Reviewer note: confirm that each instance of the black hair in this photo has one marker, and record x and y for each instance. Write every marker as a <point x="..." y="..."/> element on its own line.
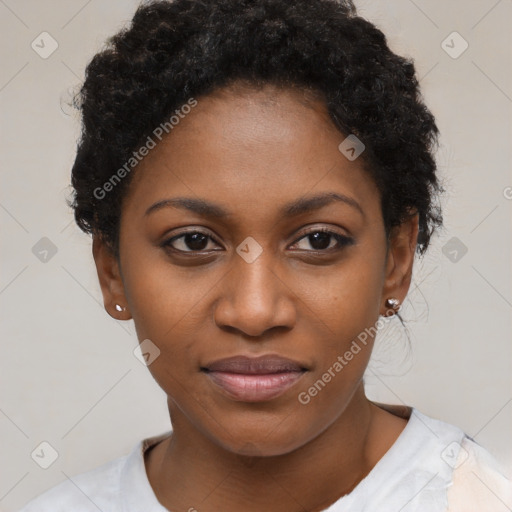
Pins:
<point x="177" y="50"/>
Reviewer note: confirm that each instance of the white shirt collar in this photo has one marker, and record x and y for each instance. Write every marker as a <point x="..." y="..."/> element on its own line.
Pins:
<point x="413" y="474"/>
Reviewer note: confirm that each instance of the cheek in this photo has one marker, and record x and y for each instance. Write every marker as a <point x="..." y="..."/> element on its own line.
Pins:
<point x="166" y="299"/>
<point x="345" y="304"/>
<point x="345" y="298"/>
<point x="168" y="308"/>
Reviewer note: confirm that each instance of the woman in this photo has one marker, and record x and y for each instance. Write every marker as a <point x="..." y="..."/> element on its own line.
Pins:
<point x="258" y="177"/>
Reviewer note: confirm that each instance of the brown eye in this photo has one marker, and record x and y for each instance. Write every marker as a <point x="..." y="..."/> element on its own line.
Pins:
<point x="322" y="240"/>
<point x="191" y="241"/>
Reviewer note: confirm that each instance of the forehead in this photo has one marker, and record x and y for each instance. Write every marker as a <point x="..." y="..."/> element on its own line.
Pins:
<point x="251" y="149"/>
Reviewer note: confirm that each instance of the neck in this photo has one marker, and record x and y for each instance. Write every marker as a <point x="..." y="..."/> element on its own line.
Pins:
<point x="189" y="469"/>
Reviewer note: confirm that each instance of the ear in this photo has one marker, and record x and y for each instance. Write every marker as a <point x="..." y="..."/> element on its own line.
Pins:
<point x="110" y="278"/>
<point x="399" y="263"/>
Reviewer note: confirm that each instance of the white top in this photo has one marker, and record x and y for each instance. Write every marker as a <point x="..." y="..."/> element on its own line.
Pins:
<point x="431" y="467"/>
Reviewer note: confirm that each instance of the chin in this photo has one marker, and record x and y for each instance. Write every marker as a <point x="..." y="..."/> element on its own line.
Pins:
<point x="262" y="439"/>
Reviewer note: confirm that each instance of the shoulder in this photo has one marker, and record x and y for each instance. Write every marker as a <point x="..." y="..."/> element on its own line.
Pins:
<point x="475" y="480"/>
<point x="94" y="490"/>
<point x="480" y="483"/>
<point x="436" y="466"/>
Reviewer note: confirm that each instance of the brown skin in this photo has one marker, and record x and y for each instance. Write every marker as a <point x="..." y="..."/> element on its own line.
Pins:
<point x="251" y="151"/>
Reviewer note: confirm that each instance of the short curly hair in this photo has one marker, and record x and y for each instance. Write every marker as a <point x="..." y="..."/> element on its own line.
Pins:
<point x="177" y="49"/>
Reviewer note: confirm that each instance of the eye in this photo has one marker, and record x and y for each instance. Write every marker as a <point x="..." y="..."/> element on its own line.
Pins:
<point x="193" y="240"/>
<point x="320" y="239"/>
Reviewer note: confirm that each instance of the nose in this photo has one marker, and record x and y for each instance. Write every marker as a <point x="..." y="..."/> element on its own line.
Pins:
<point x="254" y="299"/>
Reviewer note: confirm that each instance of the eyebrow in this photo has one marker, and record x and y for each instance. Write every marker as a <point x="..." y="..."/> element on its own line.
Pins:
<point x="209" y="209"/>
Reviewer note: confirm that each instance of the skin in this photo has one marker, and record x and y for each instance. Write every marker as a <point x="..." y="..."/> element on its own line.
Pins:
<point x="252" y="151"/>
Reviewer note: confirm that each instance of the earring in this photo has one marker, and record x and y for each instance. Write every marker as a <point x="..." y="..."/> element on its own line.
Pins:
<point x="393" y="303"/>
<point x="120" y="308"/>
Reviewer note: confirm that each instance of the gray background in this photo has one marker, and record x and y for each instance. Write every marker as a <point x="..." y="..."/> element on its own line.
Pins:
<point x="68" y="373"/>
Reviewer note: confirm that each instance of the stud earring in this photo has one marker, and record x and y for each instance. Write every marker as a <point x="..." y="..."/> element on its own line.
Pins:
<point x="393" y="303"/>
<point x="120" y="308"/>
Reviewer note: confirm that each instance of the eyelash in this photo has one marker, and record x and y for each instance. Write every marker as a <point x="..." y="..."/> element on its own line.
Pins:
<point x="342" y="241"/>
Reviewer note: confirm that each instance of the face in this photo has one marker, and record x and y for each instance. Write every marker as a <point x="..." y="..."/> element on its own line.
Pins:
<point x="253" y="265"/>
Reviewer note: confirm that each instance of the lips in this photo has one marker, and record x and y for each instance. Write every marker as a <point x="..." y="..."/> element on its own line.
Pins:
<point x="255" y="365"/>
<point x="250" y="379"/>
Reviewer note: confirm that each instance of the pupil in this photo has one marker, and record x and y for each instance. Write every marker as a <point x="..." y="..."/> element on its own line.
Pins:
<point x="195" y="241"/>
<point x="319" y="240"/>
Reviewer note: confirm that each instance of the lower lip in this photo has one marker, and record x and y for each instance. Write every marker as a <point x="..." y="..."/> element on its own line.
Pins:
<point x="254" y="388"/>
